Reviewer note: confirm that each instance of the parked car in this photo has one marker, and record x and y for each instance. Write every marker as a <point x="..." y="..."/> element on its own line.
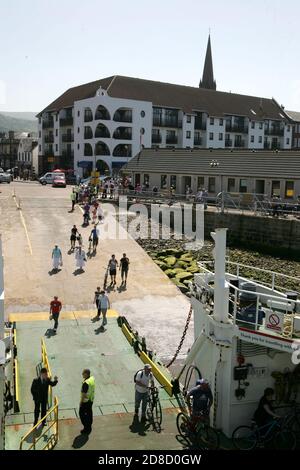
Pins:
<point x="59" y="182"/>
<point x="5" y="178"/>
<point x="49" y="177"/>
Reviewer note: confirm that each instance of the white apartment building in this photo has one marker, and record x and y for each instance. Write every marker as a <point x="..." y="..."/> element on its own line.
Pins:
<point x="27" y="156"/>
<point x="105" y="123"/>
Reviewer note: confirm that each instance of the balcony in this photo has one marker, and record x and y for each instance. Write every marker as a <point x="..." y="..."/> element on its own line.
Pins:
<point x="275" y="146"/>
<point x="228" y="143"/>
<point x="156" y="138"/>
<point x="160" y="121"/>
<point x="122" y="150"/>
<point x="48" y="123"/>
<point x="198" y="141"/>
<point x="88" y="135"/>
<point x="49" y="153"/>
<point x="125" y="135"/>
<point x="200" y="124"/>
<point x="267" y="146"/>
<point x="88" y="116"/>
<point x="49" y="139"/>
<point x="125" y="116"/>
<point x="241" y="128"/>
<point x="171" y="139"/>
<point x="239" y="143"/>
<point x="67" y="121"/>
<point x="68" y="138"/>
<point x="274" y="131"/>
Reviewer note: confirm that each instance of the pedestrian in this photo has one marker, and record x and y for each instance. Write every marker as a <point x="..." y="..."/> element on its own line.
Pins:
<point x="103" y="306"/>
<point x="39" y="390"/>
<point x="112" y="266"/>
<point x="124" y="266"/>
<point x="142" y="380"/>
<point x="86" y="214"/>
<point x="96" y="300"/>
<point x="79" y="239"/>
<point x="100" y="214"/>
<point x="80" y="258"/>
<point x="94" y="237"/>
<point x="74" y="233"/>
<point x="56" y="258"/>
<point x="86" y="401"/>
<point x="55" y="308"/>
<point x="73" y="199"/>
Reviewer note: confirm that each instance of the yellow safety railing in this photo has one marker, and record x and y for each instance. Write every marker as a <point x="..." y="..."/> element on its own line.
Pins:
<point x="50" y="431"/>
<point x="46" y="364"/>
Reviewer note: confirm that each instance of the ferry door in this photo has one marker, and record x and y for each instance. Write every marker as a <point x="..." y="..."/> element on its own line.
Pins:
<point x="259" y="187"/>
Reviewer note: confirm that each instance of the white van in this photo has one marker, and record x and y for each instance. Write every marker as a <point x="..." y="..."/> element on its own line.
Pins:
<point x="49" y="177"/>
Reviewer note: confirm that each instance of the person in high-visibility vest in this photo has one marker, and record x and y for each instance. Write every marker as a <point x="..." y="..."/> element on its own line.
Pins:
<point x="86" y="401"/>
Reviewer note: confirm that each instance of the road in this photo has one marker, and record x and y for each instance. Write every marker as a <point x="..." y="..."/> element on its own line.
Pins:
<point x="152" y="303"/>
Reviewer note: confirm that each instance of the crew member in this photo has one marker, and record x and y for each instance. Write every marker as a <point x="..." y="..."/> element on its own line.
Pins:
<point x="86" y="401"/>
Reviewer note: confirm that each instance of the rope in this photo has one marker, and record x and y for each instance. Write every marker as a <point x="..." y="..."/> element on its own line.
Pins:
<point x="182" y="338"/>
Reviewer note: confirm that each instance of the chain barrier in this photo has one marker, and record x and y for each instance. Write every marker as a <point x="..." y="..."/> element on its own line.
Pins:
<point x="182" y="338"/>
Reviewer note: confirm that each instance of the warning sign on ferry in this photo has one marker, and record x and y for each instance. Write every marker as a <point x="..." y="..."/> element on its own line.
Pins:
<point x="274" y="321"/>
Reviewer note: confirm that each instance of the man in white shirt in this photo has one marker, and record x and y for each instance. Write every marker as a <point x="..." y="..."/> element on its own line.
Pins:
<point x="103" y="306"/>
<point x="142" y="380"/>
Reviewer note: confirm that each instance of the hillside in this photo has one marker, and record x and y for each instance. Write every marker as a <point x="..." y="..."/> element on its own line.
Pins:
<point x="10" y="123"/>
<point x="30" y="116"/>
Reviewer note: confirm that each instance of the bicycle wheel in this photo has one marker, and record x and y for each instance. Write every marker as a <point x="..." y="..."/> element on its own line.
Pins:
<point x="285" y="440"/>
<point x="208" y="438"/>
<point x="157" y="416"/>
<point x="183" y="423"/>
<point x="244" y="438"/>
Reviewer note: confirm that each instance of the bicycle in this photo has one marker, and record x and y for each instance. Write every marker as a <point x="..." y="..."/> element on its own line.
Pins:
<point x="276" y="434"/>
<point x="153" y="412"/>
<point x="197" y="432"/>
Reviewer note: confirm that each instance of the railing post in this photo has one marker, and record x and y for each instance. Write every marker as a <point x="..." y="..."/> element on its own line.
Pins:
<point x="256" y="316"/>
<point x="235" y="306"/>
<point x="273" y="281"/>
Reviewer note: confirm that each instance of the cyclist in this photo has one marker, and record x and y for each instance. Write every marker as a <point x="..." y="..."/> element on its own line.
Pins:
<point x="143" y="378"/>
<point x="265" y="414"/>
<point x="202" y="400"/>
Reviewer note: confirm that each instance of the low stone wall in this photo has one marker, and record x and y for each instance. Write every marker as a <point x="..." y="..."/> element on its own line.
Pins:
<point x="266" y="234"/>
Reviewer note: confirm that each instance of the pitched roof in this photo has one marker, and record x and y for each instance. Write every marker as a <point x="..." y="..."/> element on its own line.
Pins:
<point x="268" y="164"/>
<point x="189" y="99"/>
<point x="208" y="72"/>
<point x="295" y="115"/>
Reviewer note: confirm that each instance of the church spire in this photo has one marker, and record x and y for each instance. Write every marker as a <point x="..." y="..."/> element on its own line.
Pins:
<point x="208" y="73"/>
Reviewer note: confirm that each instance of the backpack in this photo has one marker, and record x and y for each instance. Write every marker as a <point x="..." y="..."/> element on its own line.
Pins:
<point x="134" y="378"/>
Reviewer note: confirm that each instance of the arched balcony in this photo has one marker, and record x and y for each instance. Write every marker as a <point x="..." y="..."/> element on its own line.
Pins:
<point x="88" y="132"/>
<point x="102" y="131"/>
<point x="101" y="149"/>
<point x="102" y="113"/>
<point x="88" y="150"/>
<point x="88" y="115"/>
<point x="102" y="167"/>
<point x="123" y="115"/>
<point x="123" y="133"/>
<point x="122" y="150"/>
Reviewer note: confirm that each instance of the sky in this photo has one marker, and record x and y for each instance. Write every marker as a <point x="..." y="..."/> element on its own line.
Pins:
<point x="48" y="46"/>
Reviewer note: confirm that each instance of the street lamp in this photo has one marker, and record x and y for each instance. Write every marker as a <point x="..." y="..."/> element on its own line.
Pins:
<point x="215" y="164"/>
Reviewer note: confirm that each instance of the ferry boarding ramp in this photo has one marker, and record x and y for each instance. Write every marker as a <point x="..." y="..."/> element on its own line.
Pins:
<point x="78" y="344"/>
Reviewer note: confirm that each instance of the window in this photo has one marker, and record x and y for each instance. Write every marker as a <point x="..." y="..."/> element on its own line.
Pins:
<point x="56" y="132"/>
<point x="252" y="138"/>
<point x="188" y="134"/>
<point x="220" y="136"/>
<point x="163" y="181"/>
<point x="288" y="128"/>
<point x="260" y="139"/>
<point x="146" y="181"/>
<point x="211" y="136"/>
<point x="78" y="130"/>
<point x="78" y="113"/>
<point x="188" y="118"/>
<point x="243" y="186"/>
<point x="275" y="188"/>
<point x="252" y="125"/>
<point x="289" y="189"/>
<point x="173" y="181"/>
<point x="201" y="182"/>
<point x="211" y="184"/>
<point x="287" y="141"/>
<point x="40" y="134"/>
<point x="143" y="114"/>
<point x="221" y="122"/>
<point x="231" y="185"/>
<point x="56" y="147"/>
<point x="212" y="121"/>
<point x="78" y="146"/>
<point x="40" y="148"/>
<point x="260" y="125"/>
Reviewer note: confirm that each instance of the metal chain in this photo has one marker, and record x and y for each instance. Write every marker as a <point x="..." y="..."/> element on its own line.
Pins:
<point x="182" y="338"/>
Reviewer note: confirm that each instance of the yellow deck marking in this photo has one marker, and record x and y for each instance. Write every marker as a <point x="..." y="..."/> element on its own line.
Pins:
<point x="69" y="315"/>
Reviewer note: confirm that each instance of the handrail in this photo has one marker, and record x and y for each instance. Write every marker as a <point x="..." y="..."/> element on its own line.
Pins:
<point x="46" y="364"/>
<point x="50" y="441"/>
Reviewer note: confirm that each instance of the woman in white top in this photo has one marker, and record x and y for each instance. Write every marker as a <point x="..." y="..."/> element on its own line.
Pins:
<point x="56" y="258"/>
<point x="80" y="258"/>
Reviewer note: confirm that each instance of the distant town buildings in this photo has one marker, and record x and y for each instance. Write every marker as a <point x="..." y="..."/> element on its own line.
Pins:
<point x="18" y="150"/>
<point x="103" y="124"/>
